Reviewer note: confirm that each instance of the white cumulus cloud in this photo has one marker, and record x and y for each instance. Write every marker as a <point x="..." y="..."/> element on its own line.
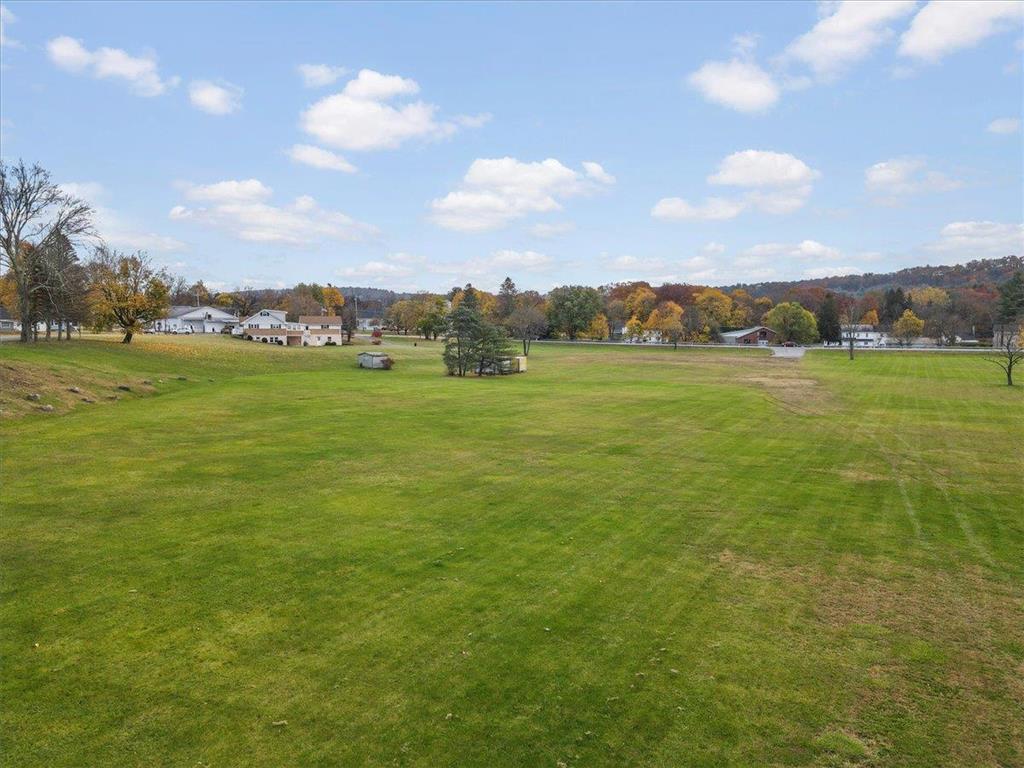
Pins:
<point x="496" y="191"/>
<point x="140" y="72"/>
<point x="847" y="35"/>
<point x="978" y="239"/>
<point x="736" y="84"/>
<point x="891" y="180"/>
<point x="318" y="157"/>
<point x="774" y="182"/>
<point x="219" y="98"/>
<point x="246" y="191"/>
<point x="366" y="115"/>
<point x="944" y="27"/>
<point x="759" y="168"/>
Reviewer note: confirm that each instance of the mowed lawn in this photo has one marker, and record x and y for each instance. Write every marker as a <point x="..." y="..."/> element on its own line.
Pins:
<point x="625" y="557"/>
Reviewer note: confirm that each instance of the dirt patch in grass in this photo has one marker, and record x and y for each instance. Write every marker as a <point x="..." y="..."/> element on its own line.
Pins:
<point x="783" y="383"/>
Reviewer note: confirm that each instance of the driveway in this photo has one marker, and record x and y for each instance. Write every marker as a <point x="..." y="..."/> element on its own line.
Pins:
<point x="788" y="351"/>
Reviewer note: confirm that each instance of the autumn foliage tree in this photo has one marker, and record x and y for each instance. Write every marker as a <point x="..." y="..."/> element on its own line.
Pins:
<point x="127" y="291"/>
<point x="667" y="321"/>
<point x="333" y="300"/>
<point x="598" y="328"/>
<point x="908" y="327"/>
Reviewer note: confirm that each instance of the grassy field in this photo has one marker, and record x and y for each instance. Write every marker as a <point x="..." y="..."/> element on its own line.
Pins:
<point x="625" y="557"/>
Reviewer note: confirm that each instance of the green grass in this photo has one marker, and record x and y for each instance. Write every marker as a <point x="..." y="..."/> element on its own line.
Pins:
<point x="639" y="557"/>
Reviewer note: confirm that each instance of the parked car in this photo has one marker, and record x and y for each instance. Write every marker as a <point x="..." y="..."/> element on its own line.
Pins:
<point x="789" y="344"/>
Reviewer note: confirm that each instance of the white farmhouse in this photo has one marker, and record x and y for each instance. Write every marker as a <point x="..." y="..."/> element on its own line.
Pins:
<point x="266" y="319"/>
<point x="182" y="319"/>
<point x="863" y="335"/>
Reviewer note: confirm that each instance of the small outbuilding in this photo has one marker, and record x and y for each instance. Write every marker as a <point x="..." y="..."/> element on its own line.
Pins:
<point x="374" y="360"/>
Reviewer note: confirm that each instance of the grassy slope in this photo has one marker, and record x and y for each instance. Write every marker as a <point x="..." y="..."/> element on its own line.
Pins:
<point x="624" y="557"/>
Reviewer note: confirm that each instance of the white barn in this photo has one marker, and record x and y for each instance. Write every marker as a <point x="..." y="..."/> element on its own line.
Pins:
<point x="204" y="319"/>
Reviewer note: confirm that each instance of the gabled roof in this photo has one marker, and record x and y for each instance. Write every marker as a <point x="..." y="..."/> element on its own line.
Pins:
<point x="745" y="331"/>
<point x="278" y="313"/>
<point x="200" y="313"/>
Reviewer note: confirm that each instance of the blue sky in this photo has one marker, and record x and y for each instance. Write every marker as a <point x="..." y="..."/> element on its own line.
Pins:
<point x="421" y="146"/>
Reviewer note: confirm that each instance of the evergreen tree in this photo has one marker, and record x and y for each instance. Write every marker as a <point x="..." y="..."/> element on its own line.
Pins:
<point x="465" y="324"/>
<point x="894" y="304"/>
<point x="1011" y="299"/>
<point x="507" y="295"/>
<point x="492" y="348"/>
<point x="829" y="327"/>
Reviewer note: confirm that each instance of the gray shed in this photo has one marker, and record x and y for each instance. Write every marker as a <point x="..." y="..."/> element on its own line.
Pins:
<point x="374" y="360"/>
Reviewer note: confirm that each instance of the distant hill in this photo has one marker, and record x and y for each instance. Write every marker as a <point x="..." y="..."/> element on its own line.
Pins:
<point x="982" y="271"/>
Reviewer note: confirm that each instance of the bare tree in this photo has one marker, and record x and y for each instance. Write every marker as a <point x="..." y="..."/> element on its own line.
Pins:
<point x="1010" y="351"/>
<point x="527" y="324"/>
<point x="34" y="213"/>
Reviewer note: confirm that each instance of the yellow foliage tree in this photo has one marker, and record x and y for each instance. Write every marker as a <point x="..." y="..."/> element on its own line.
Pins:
<point x="634" y="328"/>
<point x="908" y="327"/>
<point x="667" y="321"/>
<point x="333" y="299"/>
<point x="598" y="328"/>
<point x="870" y="317"/>
<point x="928" y="296"/>
<point x="640" y="303"/>
<point x="714" y="305"/>
<point x="488" y="302"/>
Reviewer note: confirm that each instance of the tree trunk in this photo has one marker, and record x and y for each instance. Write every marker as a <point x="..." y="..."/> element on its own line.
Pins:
<point x="127" y="337"/>
<point x="25" y="308"/>
<point x="60" y="330"/>
<point x="47" y="329"/>
<point x="851" y="347"/>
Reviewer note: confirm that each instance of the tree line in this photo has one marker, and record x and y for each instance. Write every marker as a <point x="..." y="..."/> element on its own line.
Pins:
<point x="44" y="282"/>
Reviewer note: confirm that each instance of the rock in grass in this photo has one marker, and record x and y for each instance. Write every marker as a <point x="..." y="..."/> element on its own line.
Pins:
<point x="76" y="390"/>
<point x="124" y="387"/>
<point x="147" y="382"/>
<point x="46" y="408"/>
<point x="183" y="378"/>
<point x="279" y="723"/>
<point x="33" y="396"/>
<point x="88" y="400"/>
